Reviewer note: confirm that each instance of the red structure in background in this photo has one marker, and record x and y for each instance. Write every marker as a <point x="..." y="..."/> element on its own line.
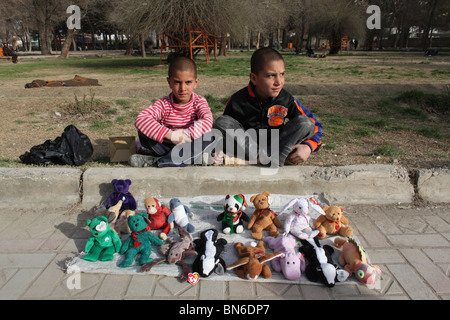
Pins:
<point x="197" y="38"/>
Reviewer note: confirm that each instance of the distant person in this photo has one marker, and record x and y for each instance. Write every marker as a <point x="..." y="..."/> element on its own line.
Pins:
<point x="171" y="131"/>
<point x="264" y="104"/>
<point x="7" y="52"/>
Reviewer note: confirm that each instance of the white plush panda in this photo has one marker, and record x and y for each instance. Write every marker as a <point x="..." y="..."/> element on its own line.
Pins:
<point x="233" y="215"/>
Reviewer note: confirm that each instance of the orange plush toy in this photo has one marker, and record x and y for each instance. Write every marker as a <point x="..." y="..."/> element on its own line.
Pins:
<point x="263" y="218"/>
<point x="251" y="263"/>
<point x="157" y="216"/>
<point x="332" y="223"/>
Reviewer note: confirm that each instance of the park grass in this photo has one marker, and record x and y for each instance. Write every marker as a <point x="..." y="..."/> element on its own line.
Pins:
<point x="347" y="120"/>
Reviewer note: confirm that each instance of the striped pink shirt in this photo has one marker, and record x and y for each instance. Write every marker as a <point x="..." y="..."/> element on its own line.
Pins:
<point x="195" y="117"/>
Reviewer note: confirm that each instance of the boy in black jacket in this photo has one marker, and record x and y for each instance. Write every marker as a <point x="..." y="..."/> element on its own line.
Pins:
<point x="267" y="116"/>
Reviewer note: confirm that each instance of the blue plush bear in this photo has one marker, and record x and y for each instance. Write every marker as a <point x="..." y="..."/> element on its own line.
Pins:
<point x="121" y="187"/>
<point x="140" y="241"/>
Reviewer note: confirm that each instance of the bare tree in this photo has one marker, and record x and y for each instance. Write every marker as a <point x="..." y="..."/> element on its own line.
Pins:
<point x="335" y="18"/>
<point x="216" y="16"/>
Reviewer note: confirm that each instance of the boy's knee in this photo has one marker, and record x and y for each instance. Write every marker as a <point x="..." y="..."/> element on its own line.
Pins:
<point x="226" y="122"/>
<point x="305" y="124"/>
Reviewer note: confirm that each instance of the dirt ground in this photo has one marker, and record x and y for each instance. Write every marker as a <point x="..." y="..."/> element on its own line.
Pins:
<point x="31" y="116"/>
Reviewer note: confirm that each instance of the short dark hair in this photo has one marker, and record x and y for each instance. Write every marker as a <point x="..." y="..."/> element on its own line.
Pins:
<point x="182" y="63"/>
<point x="262" y="56"/>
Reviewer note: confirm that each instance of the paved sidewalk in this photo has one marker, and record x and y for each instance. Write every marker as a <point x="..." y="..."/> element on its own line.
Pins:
<point x="410" y="244"/>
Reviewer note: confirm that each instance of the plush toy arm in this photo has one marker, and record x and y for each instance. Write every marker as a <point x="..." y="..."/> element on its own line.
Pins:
<point x="188" y="212"/>
<point x="165" y="210"/>
<point x="116" y="241"/>
<point x="125" y="245"/>
<point x="319" y="221"/>
<point x="220" y="216"/>
<point x="245" y="217"/>
<point x="171" y="218"/>
<point x="251" y="222"/>
<point x="277" y="222"/>
<point x="89" y="245"/>
<point x="154" y="239"/>
<point x="344" y="220"/>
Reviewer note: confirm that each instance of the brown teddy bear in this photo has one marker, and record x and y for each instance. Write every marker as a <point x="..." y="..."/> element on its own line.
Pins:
<point x="263" y="218"/>
<point x="332" y="223"/>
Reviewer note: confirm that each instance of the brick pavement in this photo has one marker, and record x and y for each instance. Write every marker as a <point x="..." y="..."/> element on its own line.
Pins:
<point x="410" y="244"/>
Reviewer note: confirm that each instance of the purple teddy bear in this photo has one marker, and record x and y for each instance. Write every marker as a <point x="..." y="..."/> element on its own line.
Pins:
<point x="121" y="188"/>
<point x="292" y="263"/>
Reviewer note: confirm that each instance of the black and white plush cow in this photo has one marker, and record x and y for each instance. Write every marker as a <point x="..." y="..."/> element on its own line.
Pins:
<point x="209" y="249"/>
<point x="320" y="266"/>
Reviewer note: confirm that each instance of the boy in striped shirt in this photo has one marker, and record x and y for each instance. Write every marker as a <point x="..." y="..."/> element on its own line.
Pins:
<point x="172" y="130"/>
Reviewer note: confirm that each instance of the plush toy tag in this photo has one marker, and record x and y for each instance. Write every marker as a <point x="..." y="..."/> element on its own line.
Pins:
<point x="193" y="278"/>
<point x="101" y="226"/>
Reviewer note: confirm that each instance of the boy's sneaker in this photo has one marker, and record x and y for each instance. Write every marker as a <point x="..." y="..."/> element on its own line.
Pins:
<point x="140" y="160"/>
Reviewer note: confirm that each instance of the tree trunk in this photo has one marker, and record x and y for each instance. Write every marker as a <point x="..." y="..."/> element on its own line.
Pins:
<point x="142" y="42"/>
<point x="66" y="47"/>
<point x="130" y="45"/>
<point x="429" y="27"/>
<point x="335" y="43"/>
<point x="45" y="32"/>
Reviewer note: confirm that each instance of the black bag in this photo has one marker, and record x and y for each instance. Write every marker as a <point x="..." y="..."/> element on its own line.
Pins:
<point x="72" y="148"/>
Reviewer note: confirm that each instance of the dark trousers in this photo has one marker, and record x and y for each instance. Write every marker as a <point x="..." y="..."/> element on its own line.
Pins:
<point x="271" y="145"/>
<point x="181" y="155"/>
<point x="10" y="53"/>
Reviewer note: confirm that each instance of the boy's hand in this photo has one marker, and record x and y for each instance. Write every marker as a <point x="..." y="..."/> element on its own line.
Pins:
<point x="177" y="137"/>
<point x="300" y="153"/>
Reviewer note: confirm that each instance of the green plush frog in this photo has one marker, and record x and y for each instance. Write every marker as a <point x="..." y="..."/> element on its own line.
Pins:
<point x="102" y="238"/>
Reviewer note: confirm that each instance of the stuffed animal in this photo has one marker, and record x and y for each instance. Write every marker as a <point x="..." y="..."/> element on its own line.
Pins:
<point x="209" y="249"/>
<point x="291" y="263"/>
<point x="158" y="214"/>
<point x="180" y="214"/>
<point x="354" y="260"/>
<point x="102" y="238"/>
<point x="233" y="216"/>
<point x="140" y="241"/>
<point x="252" y="259"/>
<point x="174" y="253"/>
<point x="332" y="223"/>
<point x="320" y="266"/>
<point x="298" y="221"/>
<point x="263" y="218"/>
<point x="121" y="188"/>
<point x="118" y="220"/>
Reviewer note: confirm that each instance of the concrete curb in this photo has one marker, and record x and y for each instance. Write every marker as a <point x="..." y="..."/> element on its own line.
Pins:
<point x="345" y="185"/>
<point x="39" y="187"/>
<point x="355" y="184"/>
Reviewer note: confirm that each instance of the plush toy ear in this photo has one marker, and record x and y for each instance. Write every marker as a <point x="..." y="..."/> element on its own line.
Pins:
<point x="244" y="205"/>
<point x="88" y="222"/>
<point x="252" y="198"/>
<point x="238" y="263"/>
<point x="128" y="182"/>
<point x="226" y="198"/>
<point x="287" y="206"/>
<point x="271" y="256"/>
<point x="342" y="210"/>
<point x="114" y="181"/>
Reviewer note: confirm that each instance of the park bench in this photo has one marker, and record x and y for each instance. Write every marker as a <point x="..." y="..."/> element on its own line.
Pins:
<point x="2" y="56"/>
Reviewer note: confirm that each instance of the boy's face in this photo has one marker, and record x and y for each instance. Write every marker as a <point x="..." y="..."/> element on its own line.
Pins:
<point x="182" y="84"/>
<point x="270" y="80"/>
